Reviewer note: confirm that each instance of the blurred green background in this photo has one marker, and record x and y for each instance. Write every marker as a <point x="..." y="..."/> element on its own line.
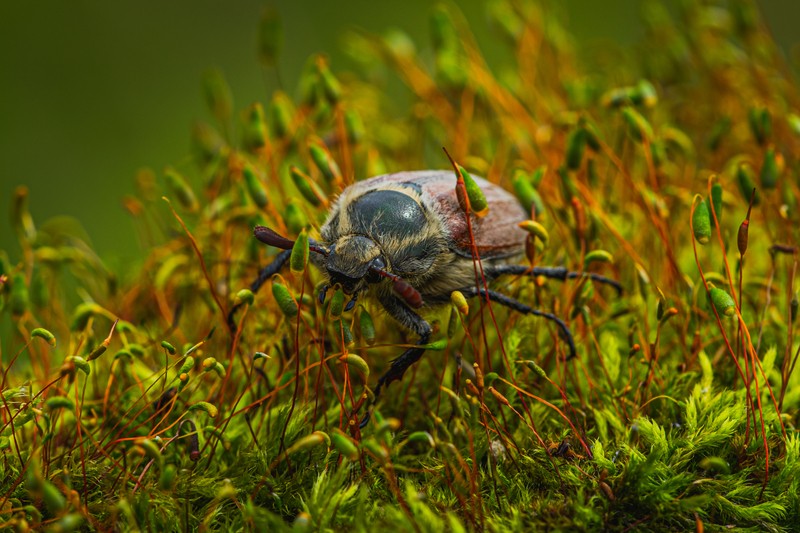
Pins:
<point x="92" y="91"/>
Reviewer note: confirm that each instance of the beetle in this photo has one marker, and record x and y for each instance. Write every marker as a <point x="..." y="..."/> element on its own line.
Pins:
<point x="404" y="239"/>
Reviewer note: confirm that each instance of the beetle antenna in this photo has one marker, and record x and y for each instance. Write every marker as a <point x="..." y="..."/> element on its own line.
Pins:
<point x="270" y="237"/>
<point x="409" y="294"/>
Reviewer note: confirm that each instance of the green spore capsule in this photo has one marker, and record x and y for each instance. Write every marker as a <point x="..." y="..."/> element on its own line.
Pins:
<point x="255" y="188"/>
<point x="354" y="361"/>
<point x="701" y="222"/>
<point x="294" y="218"/>
<point x="45" y="335"/>
<point x="331" y="87"/>
<point x="281" y="112"/>
<point x="181" y="189"/>
<point x="337" y="304"/>
<point x="639" y="128"/>
<point x="210" y="409"/>
<point x="760" y="122"/>
<point x="324" y="161"/>
<point x="59" y="402"/>
<point x="82" y="314"/>
<point x="306" y="186"/>
<point x="770" y="168"/>
<point x="284" y="299"/>
<point x="367" y="327"/>
<point x="723" y="302"/>
<point x="344" y="445"/>
<point x="745" y="177"/>
<point x="19" y="299"/>
<point x="299" y="258"/>
<point x="81" y="364"/>
<point x="187" y="366"/>
<point x="597" y="256"/>
<point x="477" y="200"/>
<point x="354" y="126"/>
<point x="168" y="347"/>
<point x="527" y="194"/>
<point x="254" y="137"/>
<point x="576" y="146"/>
<point x="436" y="346"/>
<point x="244" y="296"/>
<point x="54" y="500"/>
<point x="644" y="94"/>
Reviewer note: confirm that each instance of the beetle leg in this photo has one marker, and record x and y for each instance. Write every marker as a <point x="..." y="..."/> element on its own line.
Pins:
<point x="266" y="273"/>
<point x="516" y="305"/>
<point x="352" y="303"/>
<point x="560" y="273"/>
<point x="322" y="293"/>
<point x="411" y="320"/>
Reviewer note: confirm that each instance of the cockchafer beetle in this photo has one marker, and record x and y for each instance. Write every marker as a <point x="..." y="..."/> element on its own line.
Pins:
<point x="404" y="239"/>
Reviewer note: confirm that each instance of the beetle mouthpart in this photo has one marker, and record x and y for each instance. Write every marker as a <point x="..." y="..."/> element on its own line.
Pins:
<point x="409" y="294"/>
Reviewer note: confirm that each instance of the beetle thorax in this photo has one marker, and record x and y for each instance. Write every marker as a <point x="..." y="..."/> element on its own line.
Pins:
<point x="349" y="261"/>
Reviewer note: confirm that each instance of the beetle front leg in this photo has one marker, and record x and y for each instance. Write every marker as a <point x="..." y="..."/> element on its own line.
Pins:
<point x="266" y="273"/>
<point x="560" y="273"/>
<point x="411" y="320"/>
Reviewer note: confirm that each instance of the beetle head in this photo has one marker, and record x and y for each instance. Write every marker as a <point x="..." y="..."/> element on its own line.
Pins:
<point x="351" y="261"/>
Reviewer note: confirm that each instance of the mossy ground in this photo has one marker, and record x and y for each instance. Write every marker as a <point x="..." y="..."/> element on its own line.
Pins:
<point x="144" y="412"/>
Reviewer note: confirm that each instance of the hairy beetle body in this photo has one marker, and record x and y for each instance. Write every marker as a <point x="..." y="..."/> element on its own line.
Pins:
<point x="404" y="239"/>
<point x="417" y="226"/>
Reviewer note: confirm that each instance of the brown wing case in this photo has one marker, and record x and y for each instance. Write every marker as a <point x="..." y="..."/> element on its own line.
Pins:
<point x="496" y="235"/>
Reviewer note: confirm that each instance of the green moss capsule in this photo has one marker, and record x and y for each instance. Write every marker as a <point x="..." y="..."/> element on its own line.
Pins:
<point x="701" y="223"/>
<point x="576" y="146"/>
<point x="760" y="122"/>
<point x="477" y="200"/>
<point x="337" y="304"/>
<point x="53" y="499"/>
<point x="255" y="188"/>
<point x="355" y="362"/>
<point x="527" y="194"/>
<point x="209" y="409"/>
<point x="19" y="299"/>
<point x="299" y="258"/>
<point x="284" y="299"/>
<point x="181" y="189"/>
<point x="254" y="136"/>
<point x="770" y="168"/>
<point x="168" y="347"/>
<point x="60" y="402"/>
<point x="367" y="326"/>
<point x="344" y="445"/>
<point x="294" y="218"/>
<point x="638" y="126"/>
<point x="45" y="335"/>
<point x="281" y="111"/>
<point x="723" y="302"/>
<point x="745" y="178"/>
<point x="324" y="161"/>
<point x="306" y="186"/>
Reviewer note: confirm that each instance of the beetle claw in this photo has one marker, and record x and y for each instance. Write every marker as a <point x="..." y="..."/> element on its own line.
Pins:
<point x="351" y="304"/>
<point x="322" y="293"/>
